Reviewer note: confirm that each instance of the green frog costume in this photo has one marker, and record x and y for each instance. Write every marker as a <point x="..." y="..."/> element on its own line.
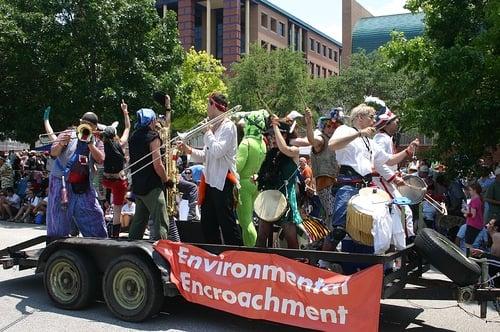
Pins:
<point x="249" y="157"/>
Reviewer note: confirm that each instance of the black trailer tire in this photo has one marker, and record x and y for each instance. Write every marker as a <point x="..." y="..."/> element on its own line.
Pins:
<point x="132" y="289"/>
<point x="70" y="279"/>
<point x="447" y="257"/>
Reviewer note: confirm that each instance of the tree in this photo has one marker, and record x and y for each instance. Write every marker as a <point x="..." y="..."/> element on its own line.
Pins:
<point x="79" y="56"/>
<point x="276" y="80"/>
<point x="201" y="74"/>
<point x="368" y="74"/>
<point x="459" y="55"/>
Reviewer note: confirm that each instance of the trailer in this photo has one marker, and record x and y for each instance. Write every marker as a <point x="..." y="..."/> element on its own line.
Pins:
<point x="134" y="279"/>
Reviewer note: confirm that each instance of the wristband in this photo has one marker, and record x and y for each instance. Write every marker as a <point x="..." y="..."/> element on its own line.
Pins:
<point x="408" y="153"/>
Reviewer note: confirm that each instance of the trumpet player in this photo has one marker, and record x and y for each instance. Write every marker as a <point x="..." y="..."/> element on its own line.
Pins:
<point x="220" y="178"/>
<point x="71" y="195"/>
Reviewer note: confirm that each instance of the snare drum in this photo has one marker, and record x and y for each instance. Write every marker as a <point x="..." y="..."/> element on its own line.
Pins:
<point x="270" y="205"/>
<point x="360" y="211"/>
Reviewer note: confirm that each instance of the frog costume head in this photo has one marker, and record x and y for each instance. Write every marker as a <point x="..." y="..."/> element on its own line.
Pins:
<point x="255" y="123"/>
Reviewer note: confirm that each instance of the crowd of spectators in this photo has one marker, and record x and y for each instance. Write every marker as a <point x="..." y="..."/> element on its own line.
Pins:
<point x="23" y="183"/>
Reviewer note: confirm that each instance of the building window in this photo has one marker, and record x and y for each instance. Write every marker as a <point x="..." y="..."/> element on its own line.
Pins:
<point x="263" y="20"/>
<point x="324" y="72"/>
<point x="264" y="44"/>
<point x="311" y="44"/>
<point x="318" y="47"/>
<point x="329" y="53"/>
<point x="273" y="47"/>
<point x="197" y="28"/>
<point x="329" y="73"/>
<point x="281" y="29"/>
<point x="312" y="69"/>
<point x="335" y="54"/>
<point x="324" y="50"/>
<point x="318" y="71"/>
<point x="219" y="31"/>
<point x="273" y="24"/>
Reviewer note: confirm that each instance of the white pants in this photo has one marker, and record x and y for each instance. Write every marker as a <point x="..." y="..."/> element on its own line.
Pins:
<point x="392" y="190"/>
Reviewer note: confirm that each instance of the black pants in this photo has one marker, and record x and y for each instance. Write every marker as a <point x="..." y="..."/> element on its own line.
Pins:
<point x="218" y="211"/>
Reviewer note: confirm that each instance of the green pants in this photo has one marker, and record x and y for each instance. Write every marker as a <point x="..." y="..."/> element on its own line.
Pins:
<point x="154" y="206"/>
<point x="248" y="193"/>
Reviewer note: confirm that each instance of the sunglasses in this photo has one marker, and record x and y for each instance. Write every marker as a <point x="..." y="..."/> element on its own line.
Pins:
<point x="188" y="173"/>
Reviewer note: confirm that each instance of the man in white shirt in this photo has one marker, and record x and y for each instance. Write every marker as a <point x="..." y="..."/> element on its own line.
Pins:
<point x="356" y="154"/>
<point x="387" y="177"/>
<point x="219" y="176"/>
<point x="11" y="204"/>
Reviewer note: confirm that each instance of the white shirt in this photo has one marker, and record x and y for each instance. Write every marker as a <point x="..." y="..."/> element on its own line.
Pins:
<point x="218" y="154"/>
<point x="14" y="201"/>
<point x="128" y="209"/>
<point x="385" y="143"/>
<point x="361" y="153"/>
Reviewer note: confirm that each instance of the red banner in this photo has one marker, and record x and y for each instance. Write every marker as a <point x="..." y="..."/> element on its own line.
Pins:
<point x="275" y="288"/>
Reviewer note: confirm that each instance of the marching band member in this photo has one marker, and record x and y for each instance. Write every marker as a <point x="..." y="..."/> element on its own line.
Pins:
<point x="113" y="176"/>
<point x="71" y="195"/>
<point x="216" y="191"/>
<point x="148" y="183"/>
<point x="249" y="157"/>
<point x="387" y="177"/>
<point x="356" y="154"/>
<point x="279" y="171"/>
<point x="323" y="161"/>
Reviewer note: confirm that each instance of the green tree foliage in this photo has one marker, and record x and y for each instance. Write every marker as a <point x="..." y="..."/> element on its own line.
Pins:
<point x="202" y="74"/>
<point x="79" y="56"/>
<point x="368" y="74"/>
<point x="276" y="80"/>
<point x="459" y="56"/>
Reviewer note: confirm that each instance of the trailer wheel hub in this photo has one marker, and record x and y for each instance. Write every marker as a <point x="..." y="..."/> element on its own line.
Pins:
<point x="65" y="281"/>
<point x="130" y="288"/>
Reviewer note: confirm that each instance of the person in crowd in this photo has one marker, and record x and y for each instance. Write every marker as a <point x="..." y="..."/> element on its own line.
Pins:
<point x="189" y="191"/>
<point x="127" y="212"/>
<point x="387" y="177"/>
<point x="219" y="180"/>
<point x="40" y="210"/>
<point x="29" y="202"/>
<point x="493" y="257"/>
<point x="148" y="182"/>
<point x="474" y="214"/>
<point x="356" y="154"/>
<point x="196" y="172"/>
<point x="279" y="171"/>
<point x="492" y="197"/>
<point x="486" y="179"/>
<point x="6" y="174"/>
<point x="10" y="204"/>
<point x="323" y="161"/>
<point x="480" y="242"/>
<point x="249" y="157"/>
<point x="72" y="198"/>
<point x="114" y="177"/>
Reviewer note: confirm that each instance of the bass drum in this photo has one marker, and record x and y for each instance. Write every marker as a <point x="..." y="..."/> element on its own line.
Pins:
<point x="360" y="211"/>
<point x="270" y="205"/>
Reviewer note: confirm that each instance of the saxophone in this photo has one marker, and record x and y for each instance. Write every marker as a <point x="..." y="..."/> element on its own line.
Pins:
<point x="170" y="163"/>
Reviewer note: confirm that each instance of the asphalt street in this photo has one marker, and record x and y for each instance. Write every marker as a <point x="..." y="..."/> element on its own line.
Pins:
<point x="25" y="307"/>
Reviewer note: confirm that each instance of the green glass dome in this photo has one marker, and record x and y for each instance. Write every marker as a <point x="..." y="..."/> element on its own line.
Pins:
<point x="370" y="33"/>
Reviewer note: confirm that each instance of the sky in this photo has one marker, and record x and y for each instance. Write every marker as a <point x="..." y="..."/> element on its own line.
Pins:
<point x="326" y="15"/>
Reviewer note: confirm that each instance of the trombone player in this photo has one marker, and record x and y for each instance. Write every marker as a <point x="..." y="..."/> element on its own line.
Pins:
<point x="71" y="195"/>
<point x="220" y="178"/>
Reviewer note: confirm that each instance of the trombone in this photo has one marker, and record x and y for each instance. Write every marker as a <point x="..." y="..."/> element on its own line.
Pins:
<point x="185" y="136"/>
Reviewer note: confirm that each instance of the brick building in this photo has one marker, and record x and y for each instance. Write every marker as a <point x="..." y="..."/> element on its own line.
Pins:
<point x="235" y="24"/>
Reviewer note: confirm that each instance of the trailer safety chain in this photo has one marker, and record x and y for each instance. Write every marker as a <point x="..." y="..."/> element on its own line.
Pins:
<point x="452" y="306"/>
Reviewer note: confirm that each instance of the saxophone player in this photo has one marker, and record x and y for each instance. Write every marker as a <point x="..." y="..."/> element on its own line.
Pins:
<point x="148" y="183"/>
